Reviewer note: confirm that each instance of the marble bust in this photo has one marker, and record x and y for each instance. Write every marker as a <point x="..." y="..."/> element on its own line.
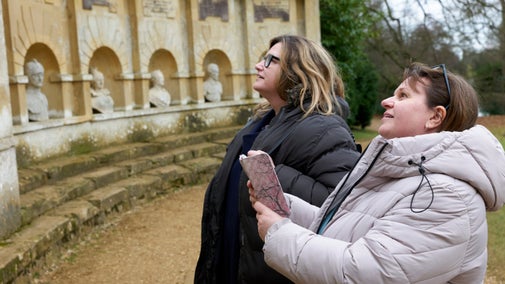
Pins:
<point x="212" y="88"/>
<point x="101" y="101"/>
<point x="36" y="101"/>
<point x="158" y="95"/>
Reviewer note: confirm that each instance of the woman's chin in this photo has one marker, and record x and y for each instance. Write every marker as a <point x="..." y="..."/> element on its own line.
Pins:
<point x="383" y="131"/>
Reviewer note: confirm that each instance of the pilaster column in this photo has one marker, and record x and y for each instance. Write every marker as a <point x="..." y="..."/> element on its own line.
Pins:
<point x="10" y="218"/>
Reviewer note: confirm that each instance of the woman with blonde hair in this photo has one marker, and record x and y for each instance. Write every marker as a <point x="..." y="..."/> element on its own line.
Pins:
<point x="302" y="126"/>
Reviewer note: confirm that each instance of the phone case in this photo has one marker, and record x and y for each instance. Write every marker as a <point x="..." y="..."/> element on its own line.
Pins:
<point x="261" y="172"/>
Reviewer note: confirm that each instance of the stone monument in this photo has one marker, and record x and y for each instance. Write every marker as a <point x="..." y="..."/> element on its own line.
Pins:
<point x="36" y="101"/>
<point x="101" y="101"/>
<point x="158" y="95"/>
<point x="212" y="88"/>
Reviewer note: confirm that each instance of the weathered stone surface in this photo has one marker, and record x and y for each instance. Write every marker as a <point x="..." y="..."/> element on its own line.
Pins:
<point x="171" y="176"/>
<point x="206" y="167"/>
<point x="31" y="244"/>
<point x="66" y="166"/>
<point x="225" y="133"/>
<point x="204" y="149"/>
<point x="75" y="203"/>
<point x="106" y="175"/>
<point x="182" y="154"/>
<point x="174" y="141"/>
<point x="75" y="187"/>
<point x="162" y="159"/>
<point x="10" y="218"/>
<point x="10" y="264"/>
<point x="115" y="153"/>
<point x="137" y="166"/>
<point x="81" y="210"/>
<point x="142" y="186"/>
<point x="30" y="179"/>
<point x="39" y="201"/>
<point x="107" y="198"/>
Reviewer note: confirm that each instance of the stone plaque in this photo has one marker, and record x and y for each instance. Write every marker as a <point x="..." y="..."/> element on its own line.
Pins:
<point x="88" y="4"/>
<point x="213" y="8"/>
<point x="271" y="9"/>
<point x="159" y="8"/>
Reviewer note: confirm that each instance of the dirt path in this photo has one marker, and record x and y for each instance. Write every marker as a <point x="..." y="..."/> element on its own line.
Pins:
<point x="157" y="242"/>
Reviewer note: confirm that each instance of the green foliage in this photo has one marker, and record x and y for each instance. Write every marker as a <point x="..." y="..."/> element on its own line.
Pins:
<point x="362" y="94"/>
<point x="489" y="81"/>
<point x="344" y="27"/>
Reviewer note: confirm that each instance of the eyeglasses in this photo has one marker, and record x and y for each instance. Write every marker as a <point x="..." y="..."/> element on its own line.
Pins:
<point x="268" y="59"/>
<point x="446" y="81"/>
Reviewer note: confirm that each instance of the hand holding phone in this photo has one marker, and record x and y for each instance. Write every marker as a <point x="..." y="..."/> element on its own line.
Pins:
<point x="267" y="189"/>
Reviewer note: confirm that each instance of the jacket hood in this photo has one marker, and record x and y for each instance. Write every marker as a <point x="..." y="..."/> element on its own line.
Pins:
<point x="474" y="156"/>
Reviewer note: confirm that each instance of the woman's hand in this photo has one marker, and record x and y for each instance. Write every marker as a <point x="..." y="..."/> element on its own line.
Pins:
<point x="254" y="152"/>
<point x="252" y="196"/>
<point x="266" y="218"/>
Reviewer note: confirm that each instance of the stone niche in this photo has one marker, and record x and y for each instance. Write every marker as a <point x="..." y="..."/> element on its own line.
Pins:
<point x="164" y="61"/>
<point x="126" y="41"/>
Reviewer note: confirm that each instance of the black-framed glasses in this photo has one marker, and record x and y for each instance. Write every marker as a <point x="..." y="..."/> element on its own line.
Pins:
<point x="268" y="59"/>
<point x="444" y="71"/>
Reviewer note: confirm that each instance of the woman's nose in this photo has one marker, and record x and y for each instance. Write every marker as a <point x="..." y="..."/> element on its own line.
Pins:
<point x="388" y="103"/>
<point x="259" y="65"/>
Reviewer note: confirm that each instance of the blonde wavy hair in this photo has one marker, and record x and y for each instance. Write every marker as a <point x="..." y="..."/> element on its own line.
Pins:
<point x="308" y="74"/>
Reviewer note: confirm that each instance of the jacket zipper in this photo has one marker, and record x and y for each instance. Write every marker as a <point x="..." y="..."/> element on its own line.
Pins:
<point x="333" y="208"/>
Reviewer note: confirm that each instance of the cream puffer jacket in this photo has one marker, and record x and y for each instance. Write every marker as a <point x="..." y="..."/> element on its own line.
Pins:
<point x="416" y="214"/>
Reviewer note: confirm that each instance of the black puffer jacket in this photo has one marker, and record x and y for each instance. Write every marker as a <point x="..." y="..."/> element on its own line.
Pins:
<point x="317" y="152"/>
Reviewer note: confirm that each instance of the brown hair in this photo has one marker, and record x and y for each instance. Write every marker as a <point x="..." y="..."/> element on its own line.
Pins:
<point x="462" y="103"/>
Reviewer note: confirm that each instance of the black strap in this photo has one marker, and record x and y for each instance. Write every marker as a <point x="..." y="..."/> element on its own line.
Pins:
<point x="344" y="190"/>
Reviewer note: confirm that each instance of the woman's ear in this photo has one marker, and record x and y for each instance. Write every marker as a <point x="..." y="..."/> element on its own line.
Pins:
<point x="435" y="121"/>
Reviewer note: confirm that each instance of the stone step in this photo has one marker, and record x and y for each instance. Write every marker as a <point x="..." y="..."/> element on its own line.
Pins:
<point x="52" y="170"/>
<point x="44" y="198"/>
<point x="28" y="248"/>
<point x="217" y="134"/>
<point x="64" y="198"/>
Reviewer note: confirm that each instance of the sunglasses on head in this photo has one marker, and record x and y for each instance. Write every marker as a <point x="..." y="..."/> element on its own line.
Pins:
<point x="446" y="80"/>
<point x="268" y="59"/>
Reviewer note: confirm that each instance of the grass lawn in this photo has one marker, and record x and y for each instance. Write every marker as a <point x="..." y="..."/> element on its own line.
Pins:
<point x="496" y="220"/>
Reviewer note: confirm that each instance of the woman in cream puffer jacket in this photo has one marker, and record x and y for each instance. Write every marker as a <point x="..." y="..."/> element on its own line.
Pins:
<point x="412" y="210"/>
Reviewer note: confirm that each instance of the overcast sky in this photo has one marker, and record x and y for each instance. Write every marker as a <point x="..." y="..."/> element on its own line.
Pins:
<point x="411" y="14"/>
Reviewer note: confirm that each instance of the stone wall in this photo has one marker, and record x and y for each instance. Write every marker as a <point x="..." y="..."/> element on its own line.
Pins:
<point x="126" y="40"/>
<point x="10" y="217"/>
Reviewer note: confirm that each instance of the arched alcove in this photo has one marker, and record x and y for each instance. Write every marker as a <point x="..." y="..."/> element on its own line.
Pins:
<point x="218" y="57"/>
<point x="164" y="60"/>
<point x="53" y="91"/>
<point x="106" y="61"/>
